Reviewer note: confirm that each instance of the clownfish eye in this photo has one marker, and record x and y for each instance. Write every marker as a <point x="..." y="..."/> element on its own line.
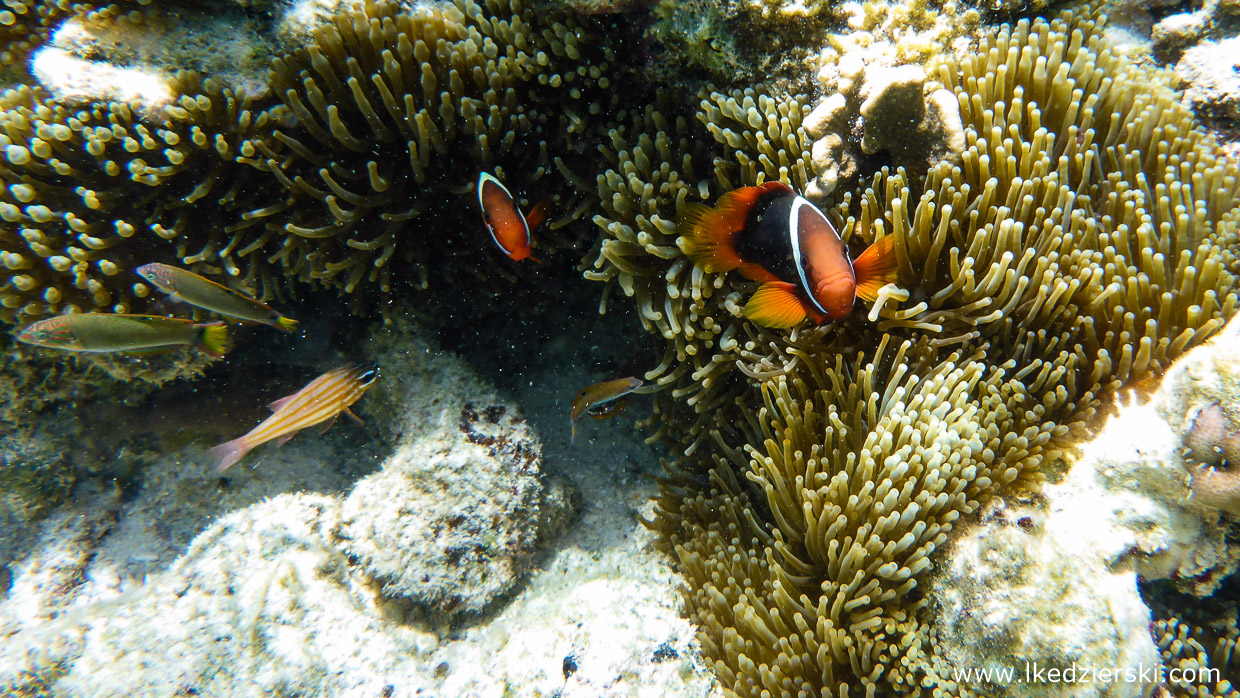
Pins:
<point x="805" y="262"/>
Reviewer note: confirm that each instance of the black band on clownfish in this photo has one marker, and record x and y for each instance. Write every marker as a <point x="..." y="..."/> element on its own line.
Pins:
<point x="774" y="236"/>
<point x="509" y="228"/>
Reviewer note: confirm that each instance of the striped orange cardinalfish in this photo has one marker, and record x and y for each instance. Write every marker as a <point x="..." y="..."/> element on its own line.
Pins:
<point x="138" y="334"/>
<point x="199" y="291"/>
<point x="772" y="235"/>
<point x="508" y="227"/>
<point x="321" y="401"/>
<point x="598" y="397"/>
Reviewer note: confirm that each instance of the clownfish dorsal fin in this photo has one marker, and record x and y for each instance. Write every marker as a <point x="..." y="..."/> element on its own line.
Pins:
<point x="707" y="246"/>
<point x="776" y="304"/>
<point x="875" y="268"/>
<point x="710" y="233"/>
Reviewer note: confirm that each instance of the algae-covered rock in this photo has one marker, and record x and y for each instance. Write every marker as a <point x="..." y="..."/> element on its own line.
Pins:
<point x="451" y="520"/>
<point x="1054" y="582"/>
<point x="36" y="464"/>
<point x="1209" y="70"/>
<point x="286" y="594"/>
<point x="450" y="527"/>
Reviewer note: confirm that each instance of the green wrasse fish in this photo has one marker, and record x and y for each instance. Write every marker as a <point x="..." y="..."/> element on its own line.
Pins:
<point x="321" y="401"/>
<point x="597" y="397"/>
<point x="191" y="288"/>
<point x="102" y="332"/>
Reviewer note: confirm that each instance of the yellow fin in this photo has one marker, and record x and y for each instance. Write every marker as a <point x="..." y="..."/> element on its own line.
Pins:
<point x="776" y="305"/>
<point x="287" y="324"/>
<point x="875" y="268"/>
<point x="215" y="340"/>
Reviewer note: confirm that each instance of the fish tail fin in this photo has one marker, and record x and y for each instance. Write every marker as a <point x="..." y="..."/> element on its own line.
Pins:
<point x="875" y="268"/>
<point x="228" y="453"/>
<point x="537" y="216"/>
<point x="287" y="324"/>
<point x="572" y="434"/>
<point x="776" y="304"/>
<point x="215" y="339"/>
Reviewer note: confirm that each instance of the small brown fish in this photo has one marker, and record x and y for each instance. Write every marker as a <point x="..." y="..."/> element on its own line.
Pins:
<point x="199" y="291"/>
<point x="597" y="396"/>
<point x="104" y="332"/>
<point x="321" y="401"/>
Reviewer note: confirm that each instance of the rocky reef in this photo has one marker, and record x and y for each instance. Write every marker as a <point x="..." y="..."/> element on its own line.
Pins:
<point x="857" y="508"/>
<point x="1080" y="574"/>
<point x="324" y="545"/>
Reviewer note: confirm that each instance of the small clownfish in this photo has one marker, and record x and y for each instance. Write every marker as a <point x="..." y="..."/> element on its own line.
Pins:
<point x="508" y="227"/>
<point x="772" y="235"/>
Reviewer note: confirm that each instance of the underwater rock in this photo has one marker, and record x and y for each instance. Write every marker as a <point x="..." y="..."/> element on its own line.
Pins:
<point x="259" y="592"/>
<point x="134" y="57"/>
<point x="1016" y="594"/>
<point x="1055" y="582"/>
<point x="262" y="604"/>
<point x="452" y="526"/>
<point x="267" y="600"/>
<point x="881" y="108"/>
<point x="1209" y="70"/>
<point x="1202" y="406"/>
<point x="1173" y="33"/>
<point x="451" y="520"/>
<point x="36" y="463"/>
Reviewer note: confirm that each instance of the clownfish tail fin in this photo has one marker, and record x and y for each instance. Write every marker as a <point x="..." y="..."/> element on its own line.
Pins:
<point x="875" y="268"/>
<point x="776" y="304"/>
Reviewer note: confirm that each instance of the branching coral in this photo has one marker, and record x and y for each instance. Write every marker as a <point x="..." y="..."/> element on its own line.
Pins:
<point x="1086" y="238"/>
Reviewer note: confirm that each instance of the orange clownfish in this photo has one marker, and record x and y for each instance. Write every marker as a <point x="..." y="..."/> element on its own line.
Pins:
<point x="508" y="227"/>
<point x="772" y="235"/>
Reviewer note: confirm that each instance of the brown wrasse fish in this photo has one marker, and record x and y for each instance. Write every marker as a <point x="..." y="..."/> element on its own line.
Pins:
<point x="201" y="292"/>
<point x="509" y="228"/>
<point x="322" y="400"/>
<point x="772" y="235"/>
<point x="104" y="332"/>
<point x="599" y="397"/>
